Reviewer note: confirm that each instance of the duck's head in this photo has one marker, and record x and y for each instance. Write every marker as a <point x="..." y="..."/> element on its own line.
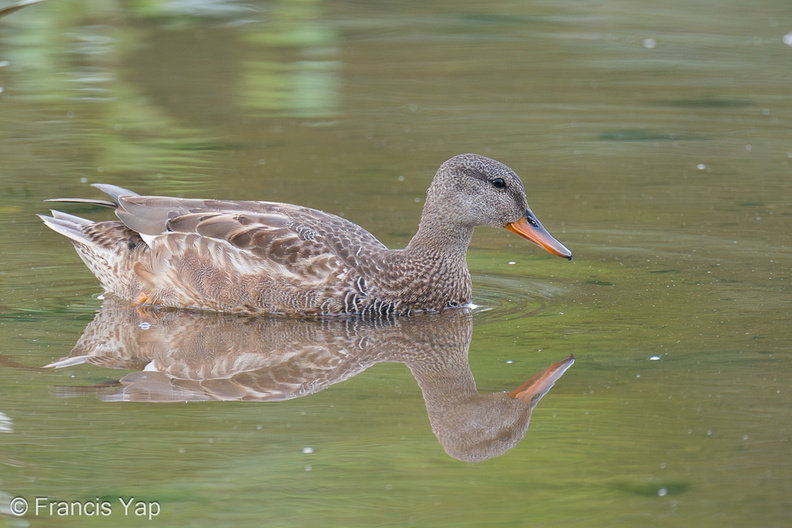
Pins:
<point x="474" y="190"/>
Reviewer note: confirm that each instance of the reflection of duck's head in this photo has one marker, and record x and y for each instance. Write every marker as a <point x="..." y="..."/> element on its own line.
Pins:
<point x="197" y="356"/>
<point x="475" y="427"/>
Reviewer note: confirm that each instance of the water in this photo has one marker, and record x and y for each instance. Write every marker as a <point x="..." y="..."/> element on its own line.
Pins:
<point x="653" y="141"/>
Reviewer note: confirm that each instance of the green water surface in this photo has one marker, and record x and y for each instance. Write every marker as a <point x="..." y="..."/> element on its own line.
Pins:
<point x="654" y="140"/>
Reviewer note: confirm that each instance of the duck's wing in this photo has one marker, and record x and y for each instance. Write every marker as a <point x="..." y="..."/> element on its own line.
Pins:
<point x="249" y="256"/>
<point x="263" y="229"/>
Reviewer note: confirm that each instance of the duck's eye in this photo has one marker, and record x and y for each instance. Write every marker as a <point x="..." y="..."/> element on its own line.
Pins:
<point x="499" y="183"/>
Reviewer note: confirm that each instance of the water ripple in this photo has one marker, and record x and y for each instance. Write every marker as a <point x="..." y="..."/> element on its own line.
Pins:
<point x="500" y="298"/>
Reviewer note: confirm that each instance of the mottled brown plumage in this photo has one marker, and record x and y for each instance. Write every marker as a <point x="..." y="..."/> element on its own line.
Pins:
<point x="275" y="258"/>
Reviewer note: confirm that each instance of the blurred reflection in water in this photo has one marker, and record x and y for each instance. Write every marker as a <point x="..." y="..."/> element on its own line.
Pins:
<point x="185" y="356"/>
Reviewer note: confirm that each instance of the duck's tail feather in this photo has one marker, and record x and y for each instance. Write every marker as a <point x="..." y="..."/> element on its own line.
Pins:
<point x="109" y="249"/>
<point x="70" y="226"/>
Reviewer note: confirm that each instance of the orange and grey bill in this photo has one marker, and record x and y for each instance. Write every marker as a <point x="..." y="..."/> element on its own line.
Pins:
<point x="529" y="228"/>
<point x="540" y="384"/>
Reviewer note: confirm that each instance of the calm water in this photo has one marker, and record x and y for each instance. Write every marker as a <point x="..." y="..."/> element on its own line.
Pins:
<point x="655" y="141"/>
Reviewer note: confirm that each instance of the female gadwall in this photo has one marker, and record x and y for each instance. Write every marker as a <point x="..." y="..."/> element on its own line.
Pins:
<point x="275" y="258"/>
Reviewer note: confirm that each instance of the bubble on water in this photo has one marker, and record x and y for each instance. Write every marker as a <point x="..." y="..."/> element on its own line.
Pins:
<point x="662" y="492"/>
<point x="654" y="358"/>
<point x="649" y="43"/>
<point x="787" y="39"/>
<point x="701" y="166"/>
<point x="307" y="450"/>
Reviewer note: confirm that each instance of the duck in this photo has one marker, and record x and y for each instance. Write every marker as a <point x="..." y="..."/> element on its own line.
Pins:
<point x="260" y="257"/>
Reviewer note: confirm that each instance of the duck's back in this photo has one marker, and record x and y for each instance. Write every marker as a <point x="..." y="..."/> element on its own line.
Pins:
<point x="252" y="257"/>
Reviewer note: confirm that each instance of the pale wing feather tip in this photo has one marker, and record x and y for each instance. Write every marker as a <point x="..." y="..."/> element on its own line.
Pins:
<point x="114" y="191"/>
<point x="89" y="201"/>
<point x="67" y="362"/>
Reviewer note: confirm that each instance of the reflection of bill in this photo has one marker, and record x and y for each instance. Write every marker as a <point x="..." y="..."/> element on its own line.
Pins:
<point x="183" y="356"/>
<point x="7" y="10"/>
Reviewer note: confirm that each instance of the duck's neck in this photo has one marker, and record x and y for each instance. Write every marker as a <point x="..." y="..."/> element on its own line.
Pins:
<point x="437" y="237"/>
<point x="436" y="258"/>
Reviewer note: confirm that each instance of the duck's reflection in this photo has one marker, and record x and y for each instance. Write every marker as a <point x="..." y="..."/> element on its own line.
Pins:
<point x="198" y="356"/>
